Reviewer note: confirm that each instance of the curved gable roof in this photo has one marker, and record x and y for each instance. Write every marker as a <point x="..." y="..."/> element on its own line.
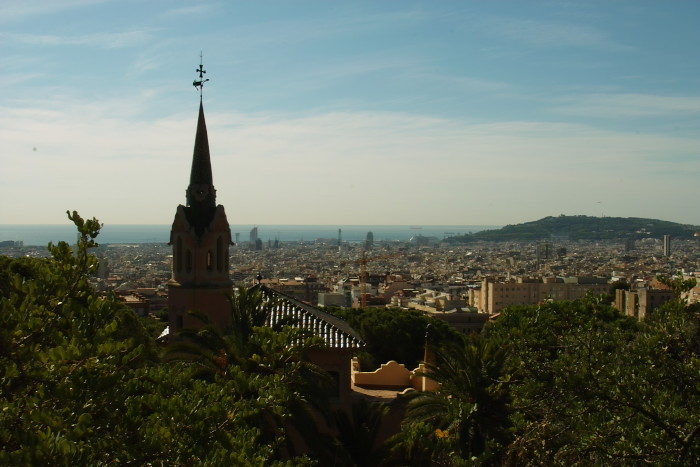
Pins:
<point x="335" y="332"/>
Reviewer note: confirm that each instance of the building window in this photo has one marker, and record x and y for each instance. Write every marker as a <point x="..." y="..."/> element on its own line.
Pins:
<point x="219" y="254"/>
<point x="188" y="261"/>
<point x="209" y="260"/>
<point x="178" y="255"/>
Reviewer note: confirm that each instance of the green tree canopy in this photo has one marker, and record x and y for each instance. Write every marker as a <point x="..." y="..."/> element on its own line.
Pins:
<point x="81" y="382"/>
<point x="592" y="386"/>
<point x="395" y="334"/>
<point x="466" y="418"/>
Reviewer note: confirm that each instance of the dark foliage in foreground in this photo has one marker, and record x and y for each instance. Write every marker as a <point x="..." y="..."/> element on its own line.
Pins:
<point x="567" y="383"/>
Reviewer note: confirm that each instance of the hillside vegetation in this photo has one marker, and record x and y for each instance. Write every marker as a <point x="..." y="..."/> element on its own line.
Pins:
<point x="560" y="383"/>
<point x="582" y="228"/>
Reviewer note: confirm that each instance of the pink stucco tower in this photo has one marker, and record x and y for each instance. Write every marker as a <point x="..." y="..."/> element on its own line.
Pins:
<point x="200" y="237"/>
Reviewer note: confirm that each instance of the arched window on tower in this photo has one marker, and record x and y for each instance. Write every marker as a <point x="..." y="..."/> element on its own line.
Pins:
<point x="188" y="261"/>
<point x="210" y="259"/>
<point x="178" y="255"/>
<point x="219" y="254"/>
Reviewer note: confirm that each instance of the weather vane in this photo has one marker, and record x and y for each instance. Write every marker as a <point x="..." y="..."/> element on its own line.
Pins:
<point x="199" y="84"/>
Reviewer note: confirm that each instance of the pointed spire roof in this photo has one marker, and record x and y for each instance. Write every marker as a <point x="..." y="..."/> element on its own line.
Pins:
<point x="201" y="160"/>
<point x="201" y="191"/>
<point x="201" y="194"/>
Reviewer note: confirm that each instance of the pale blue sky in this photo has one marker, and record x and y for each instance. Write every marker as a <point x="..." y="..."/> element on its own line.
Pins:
<point x="377" y="112"/>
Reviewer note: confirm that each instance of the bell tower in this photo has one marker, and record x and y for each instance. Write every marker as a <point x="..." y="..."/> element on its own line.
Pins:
<point x="200" y="237"/>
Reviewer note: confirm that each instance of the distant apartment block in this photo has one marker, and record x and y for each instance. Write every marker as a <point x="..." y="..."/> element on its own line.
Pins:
<point x="432" y="301"/>
<point x="136" y="301"/>
<point x="494" y="295"/>
<point x="449" y="308"/>
<point x="337" y="299"/>
<point x="641" y="302"/>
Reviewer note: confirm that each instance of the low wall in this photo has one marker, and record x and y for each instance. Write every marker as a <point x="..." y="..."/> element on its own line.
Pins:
<point x="391" y="375"/>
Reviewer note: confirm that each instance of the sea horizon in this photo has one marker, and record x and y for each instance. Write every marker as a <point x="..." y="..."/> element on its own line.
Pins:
<point x="42" y="234"/>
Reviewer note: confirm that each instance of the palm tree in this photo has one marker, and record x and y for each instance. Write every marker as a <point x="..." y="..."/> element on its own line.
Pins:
<point x="247" y="344"/>
<point x="213" y="349"/>
<point x="249" y="309"/>
<point x="469" y="411"/>
<point x="358" y="433"/>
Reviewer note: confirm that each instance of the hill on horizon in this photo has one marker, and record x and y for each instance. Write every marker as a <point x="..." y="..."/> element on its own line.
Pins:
<point x="582" y="228"/>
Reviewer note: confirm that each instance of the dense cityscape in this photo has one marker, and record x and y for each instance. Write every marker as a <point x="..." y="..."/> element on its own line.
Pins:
<point x="173" y="337"/>
<point x="426" y="273"/>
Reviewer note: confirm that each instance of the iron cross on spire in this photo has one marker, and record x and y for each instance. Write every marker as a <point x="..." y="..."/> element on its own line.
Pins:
<point x="199" y="84"/>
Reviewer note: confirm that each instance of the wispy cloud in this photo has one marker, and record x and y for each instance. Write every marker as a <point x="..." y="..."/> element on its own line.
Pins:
<point x="13" y="79"/>
<point x="19" y="10"/>
<point x="189" y="10"/>
<point x="627" y="105"/>
<point x="102" y="40"/>
<point x="151" y="57"/>
<point x="343" y="22"/>
<point x="553" y="34"/>
<point x="144" y="63"/>
<point x="89" y="156"/>
<point x="465" y="83"/>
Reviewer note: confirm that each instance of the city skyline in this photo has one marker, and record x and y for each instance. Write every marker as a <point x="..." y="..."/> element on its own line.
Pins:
<point x="412" y="113"/>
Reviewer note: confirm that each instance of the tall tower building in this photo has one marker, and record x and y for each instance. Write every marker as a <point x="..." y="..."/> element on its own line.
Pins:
<point x="667" y="245"/>
<point x="200" y="237"/>
<point x="253" y="236"/>
<point x="544" y="251"/>
<point x="369" y="241"/>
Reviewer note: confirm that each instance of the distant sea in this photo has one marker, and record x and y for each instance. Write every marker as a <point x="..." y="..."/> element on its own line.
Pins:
<point x="43" y="234"/>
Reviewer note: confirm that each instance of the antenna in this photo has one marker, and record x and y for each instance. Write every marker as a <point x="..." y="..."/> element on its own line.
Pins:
<point x="199" y="84"/>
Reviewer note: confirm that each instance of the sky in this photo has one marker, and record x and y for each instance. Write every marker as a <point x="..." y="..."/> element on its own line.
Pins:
<point x="363" y="112"/>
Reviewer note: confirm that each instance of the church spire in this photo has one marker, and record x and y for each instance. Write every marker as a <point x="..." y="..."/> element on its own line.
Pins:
<point x="201" y="180"/>
<point x="201" y="194"/>
<point x="200" y="237"/>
